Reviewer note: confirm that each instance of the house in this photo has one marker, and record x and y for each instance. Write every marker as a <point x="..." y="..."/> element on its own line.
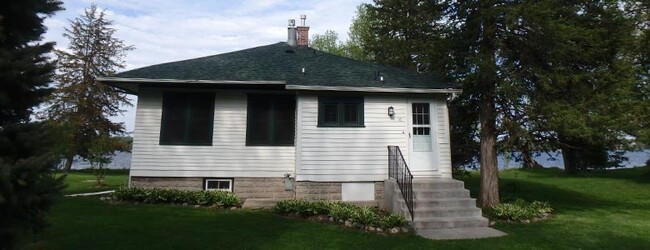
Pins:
<point x="287" y="121"/>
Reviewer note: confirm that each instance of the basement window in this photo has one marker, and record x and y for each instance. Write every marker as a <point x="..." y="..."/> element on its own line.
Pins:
<point x="218" y="184"/>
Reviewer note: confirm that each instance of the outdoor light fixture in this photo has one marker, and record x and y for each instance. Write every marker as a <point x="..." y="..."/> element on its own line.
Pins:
<point x="391" y="111"/>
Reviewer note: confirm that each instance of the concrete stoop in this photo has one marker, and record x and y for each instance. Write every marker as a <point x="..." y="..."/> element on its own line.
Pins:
<point x="443" y="210"/>
<point x="259" y="203"/>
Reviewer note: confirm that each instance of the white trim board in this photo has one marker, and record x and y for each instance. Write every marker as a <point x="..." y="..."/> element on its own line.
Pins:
<point x="374" y="89"/>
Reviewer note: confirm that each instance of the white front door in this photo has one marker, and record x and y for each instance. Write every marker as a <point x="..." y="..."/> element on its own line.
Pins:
<point x="422" y="160"/>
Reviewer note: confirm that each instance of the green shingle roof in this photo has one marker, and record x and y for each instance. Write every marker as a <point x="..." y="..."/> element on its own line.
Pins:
<point x="281" y="62"/>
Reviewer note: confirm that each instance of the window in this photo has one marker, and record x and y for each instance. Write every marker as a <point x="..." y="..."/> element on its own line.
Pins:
<point x="218" y="184"/>
<point x="421" y="127"/>
<point x="340" y="112"/>
<point x="187" y="119"/>
<point x="271" y="120"/>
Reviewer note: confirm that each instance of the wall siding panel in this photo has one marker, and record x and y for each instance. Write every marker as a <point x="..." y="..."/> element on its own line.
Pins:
<point x="360" y="154"/>
<point x="227" y="157"/>
<point x="322" y="154"/>
<point x="350" y="154"/>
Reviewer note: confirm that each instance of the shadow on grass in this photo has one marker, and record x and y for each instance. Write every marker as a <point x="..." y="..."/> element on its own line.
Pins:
<point x="87" y="223"/>
<point x="637" y="174"/>
<point x="553" y="186"/>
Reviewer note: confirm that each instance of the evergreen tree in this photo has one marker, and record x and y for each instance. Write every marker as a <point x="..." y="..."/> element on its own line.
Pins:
<point x="538" y="75"/>
<point x="571" y="68"/>
<point x="80" y="105"/>
<point x="27" y="184"/>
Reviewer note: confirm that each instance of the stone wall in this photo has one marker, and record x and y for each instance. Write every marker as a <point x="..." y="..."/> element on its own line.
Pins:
<point x="318" y="190"/>
<point x="259" y="188"/>
<point x="379" y="193"/>
<point x="186" y="183"/>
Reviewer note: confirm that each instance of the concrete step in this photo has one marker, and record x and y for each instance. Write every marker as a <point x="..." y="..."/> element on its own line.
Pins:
<point x="442" y="202"/>
<point x="259" y="203"/>
<point x="441" y="193"/>
<point x="453" y="222"/>
<point x="450" y="212"/>
<point x="437" y="184"/>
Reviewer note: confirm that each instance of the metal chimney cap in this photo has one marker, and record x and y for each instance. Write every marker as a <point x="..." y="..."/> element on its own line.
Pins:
<point x="302" y="19"/>
<point x="292" y="22"/>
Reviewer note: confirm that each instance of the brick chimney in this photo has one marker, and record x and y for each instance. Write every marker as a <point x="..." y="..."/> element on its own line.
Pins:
<point x="302" y="32"/>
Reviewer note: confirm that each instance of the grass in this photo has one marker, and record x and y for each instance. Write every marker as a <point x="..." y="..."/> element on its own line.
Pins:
<point x="598" y="211"/>
<point x="83" y="181"/>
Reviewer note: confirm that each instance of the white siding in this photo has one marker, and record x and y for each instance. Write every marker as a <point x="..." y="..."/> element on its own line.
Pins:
<point x="227" y="157"/>
<point x="360" y="154"/>
<point x="350" y="154"/>
<point x="443" y="138"/>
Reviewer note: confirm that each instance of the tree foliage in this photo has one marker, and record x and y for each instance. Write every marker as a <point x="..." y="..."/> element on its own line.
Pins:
<point x="27" y="185"/>
<point x="536" y="75"/>
<point x="329" y="41"/>
<point x="80" y="105"/>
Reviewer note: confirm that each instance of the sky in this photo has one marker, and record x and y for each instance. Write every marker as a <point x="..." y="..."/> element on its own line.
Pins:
<point x="168" y="30"/>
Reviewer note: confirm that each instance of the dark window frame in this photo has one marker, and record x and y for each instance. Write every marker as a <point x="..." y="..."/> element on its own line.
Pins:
<point x="341" y="103"/>
<point x="272" y="136"/>
<point x="189" y="97"/>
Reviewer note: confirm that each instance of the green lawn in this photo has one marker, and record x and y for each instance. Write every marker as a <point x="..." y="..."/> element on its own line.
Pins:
<point x="83" y="181"/>
<point x="601" y="211"/>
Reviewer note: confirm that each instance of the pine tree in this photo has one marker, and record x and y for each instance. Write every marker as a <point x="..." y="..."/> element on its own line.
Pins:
<point x="80" y="105"/>
<point x="536" y="75"/>
<point x="27" y="185"/>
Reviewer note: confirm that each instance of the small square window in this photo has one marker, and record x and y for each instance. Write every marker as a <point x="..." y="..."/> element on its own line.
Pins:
<point x="340" y="112"/>
<point x="218" y="184"/>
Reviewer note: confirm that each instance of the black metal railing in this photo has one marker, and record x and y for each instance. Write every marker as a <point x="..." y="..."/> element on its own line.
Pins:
<point x="398" y="170"/>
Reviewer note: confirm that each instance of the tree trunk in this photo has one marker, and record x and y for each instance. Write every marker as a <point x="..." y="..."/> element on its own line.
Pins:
<point x="68" y="163"/>
<point x="570" y="160"/>
<point x="487" y="77"/>
<point x="489" y="195"/>
<point x="528" y="161"/>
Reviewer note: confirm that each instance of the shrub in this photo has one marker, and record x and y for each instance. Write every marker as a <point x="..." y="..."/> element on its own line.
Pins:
<point x="520" y="210"/>
<point x="342" y="211"/>
<point x="286" y="207"/>
<point x="366" y="216"/>
<point x="192" y="197"/>
<point x="339" y="211"/>
<point x="392" y="220"/>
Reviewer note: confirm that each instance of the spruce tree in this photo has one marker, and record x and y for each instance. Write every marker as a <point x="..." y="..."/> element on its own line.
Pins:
<point x="536" y="75"/>
<point x="27" y="185"/>
<point x="81" y="106"/>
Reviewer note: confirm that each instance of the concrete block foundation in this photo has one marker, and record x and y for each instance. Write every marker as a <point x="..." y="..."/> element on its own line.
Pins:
<point x="261" y="188"/>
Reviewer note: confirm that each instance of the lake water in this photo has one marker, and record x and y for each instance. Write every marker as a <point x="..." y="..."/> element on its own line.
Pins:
<point x="554" y="159"/>
<point x="122" y="160"/>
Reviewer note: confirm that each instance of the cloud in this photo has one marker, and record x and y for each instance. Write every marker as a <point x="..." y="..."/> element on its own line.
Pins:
<point x="166" y="30"/>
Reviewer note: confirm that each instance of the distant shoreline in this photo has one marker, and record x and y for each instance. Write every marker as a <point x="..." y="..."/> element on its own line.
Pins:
<point x="122" y="160"/>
